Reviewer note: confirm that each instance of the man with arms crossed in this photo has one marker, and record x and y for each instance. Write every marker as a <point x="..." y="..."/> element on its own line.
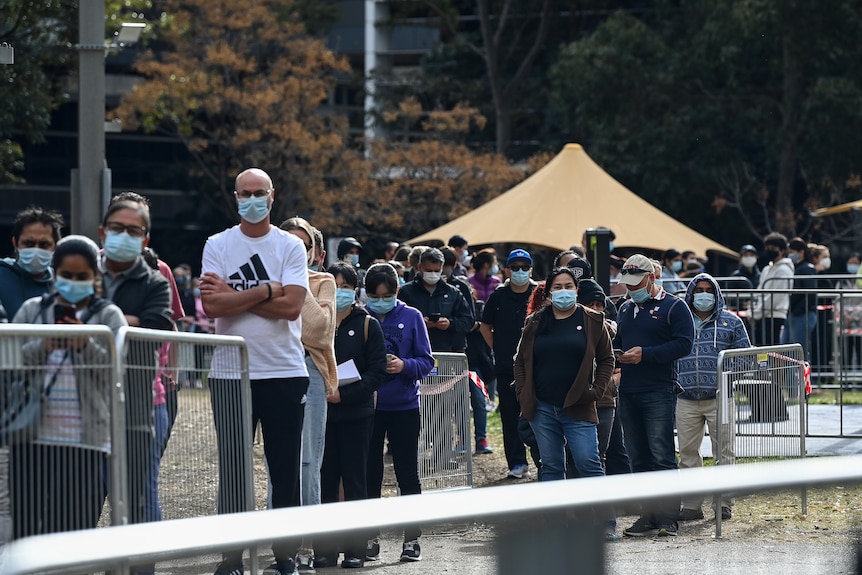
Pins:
<point x="253" y="281"/>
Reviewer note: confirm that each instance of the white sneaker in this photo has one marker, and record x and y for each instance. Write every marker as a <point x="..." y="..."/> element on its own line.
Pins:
<point x="519" y="471"/>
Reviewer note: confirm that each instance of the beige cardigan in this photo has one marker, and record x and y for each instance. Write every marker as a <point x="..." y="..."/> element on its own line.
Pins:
<point x="318" y="326"/>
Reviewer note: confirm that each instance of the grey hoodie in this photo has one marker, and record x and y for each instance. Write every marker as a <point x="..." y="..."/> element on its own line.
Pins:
<point x="777" y="275"/>
<point x="91" y="364"/>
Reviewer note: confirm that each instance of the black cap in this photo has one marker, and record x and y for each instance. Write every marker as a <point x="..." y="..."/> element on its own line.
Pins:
<point x="346" y="244"/>
<point x="747" y="248"/>
<point x="457" y="241"/>
<point x="581" y="267"/>
<point x="589" y="291"/>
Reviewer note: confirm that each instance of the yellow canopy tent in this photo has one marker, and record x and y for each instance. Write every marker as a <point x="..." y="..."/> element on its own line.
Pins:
<point x="839" y="209"/>
<point x="554" y="206"/>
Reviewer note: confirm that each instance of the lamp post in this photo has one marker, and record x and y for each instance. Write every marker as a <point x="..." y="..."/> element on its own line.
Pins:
<point x="91" y="182"/>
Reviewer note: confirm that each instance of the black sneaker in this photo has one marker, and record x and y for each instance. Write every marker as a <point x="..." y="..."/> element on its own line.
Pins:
<point x="283" y="567"/>
<point x="643" y="527"/>
<point x="352" y="562"/>
<point x="411" y="551"/>
<point x="229" y="567"/>
<point x="372" y="549"/>
<point x="690" y="514"/>
<point x="667" y="530"/>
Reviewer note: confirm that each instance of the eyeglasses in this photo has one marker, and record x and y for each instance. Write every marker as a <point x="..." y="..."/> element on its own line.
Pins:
<point x="119" y="228"/>
<point x="246" y="194"/>
<point x="520" y="268"/>
<point x="634" y="271"/>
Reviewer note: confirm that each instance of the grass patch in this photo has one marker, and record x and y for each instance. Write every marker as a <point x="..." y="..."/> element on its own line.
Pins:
<point x="830" y="397"/>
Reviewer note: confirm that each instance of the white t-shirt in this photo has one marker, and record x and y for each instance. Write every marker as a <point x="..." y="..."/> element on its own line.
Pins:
<point x="274" y="345"/>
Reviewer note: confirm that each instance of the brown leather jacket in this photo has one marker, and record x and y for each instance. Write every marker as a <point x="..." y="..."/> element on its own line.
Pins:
<point x="593" y="377"/>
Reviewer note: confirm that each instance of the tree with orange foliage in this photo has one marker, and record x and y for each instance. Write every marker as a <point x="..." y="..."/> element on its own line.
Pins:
<point x="242" y="84"/>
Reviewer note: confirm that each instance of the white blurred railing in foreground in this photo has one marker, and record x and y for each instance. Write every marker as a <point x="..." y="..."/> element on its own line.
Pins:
<point x="118" y="547"/>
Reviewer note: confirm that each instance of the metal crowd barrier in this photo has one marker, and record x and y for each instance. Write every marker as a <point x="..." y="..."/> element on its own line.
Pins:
<point x="534" y="512"/>
<point x="445" y="456"/>
<point x="57" y="479"/>
<point x="761" y="406"/>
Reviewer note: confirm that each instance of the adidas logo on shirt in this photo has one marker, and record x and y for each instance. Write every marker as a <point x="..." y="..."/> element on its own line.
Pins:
<point x="250" y="274"/>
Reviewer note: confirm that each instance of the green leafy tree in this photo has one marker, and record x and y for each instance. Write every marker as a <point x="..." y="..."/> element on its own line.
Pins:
<point x="753" y="108"/>
<point x="33" y="86"/>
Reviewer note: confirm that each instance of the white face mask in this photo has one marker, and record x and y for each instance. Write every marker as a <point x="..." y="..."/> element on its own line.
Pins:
<point x="749" y="261"/>
<point x="826" y="263"/>
<point x="431" y="278"/>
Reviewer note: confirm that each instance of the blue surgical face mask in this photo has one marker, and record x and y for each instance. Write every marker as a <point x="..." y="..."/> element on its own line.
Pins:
<point x="610" y="246"/>
<point x="196" y="292"/>
<point x="344" y="298"/>
<point x="564" y="299"/>
<point x="676" y="266"/>
<point x="520" y="277"/>
<point x="704" y="301"/>
<point x="34" y="260"/>
<point x="794" y="257"/>
<point x="401" y="281"/>
<point x="314" y="268"/>
<point x="73" y="291"/>
<point x="253" y="210"/>
<point x="495" y="269"/>
<point x="381" y="305"/>
<point x="122" y="247"/>
<point x="639" y="295"/>
<point x="852" y="268"/>
<point x="352" y="259"/>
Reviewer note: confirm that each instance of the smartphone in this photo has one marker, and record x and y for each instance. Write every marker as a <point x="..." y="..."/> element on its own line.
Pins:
<point x="63" y="312"/>
<point x="389" y="357"/>
<point x="434" y="317"/>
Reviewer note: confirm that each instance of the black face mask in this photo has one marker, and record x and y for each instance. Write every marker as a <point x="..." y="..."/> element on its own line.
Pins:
<point x="768" y="256"/>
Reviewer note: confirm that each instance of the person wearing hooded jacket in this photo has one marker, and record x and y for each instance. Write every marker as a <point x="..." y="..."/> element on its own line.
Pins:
<point x="769" y="310"/>
<point x="715" y="329"/>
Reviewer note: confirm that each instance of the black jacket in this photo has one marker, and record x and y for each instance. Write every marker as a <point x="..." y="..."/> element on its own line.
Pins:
<point x="802" y="303"/>
<point x="370" y="359"/>
<point x="146" y="294"/>
<point x="447" y="301"/>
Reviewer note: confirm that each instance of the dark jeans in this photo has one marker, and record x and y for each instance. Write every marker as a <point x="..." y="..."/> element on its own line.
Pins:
<point x="510" y="409"/>
<point x="767" y="331"/>
<point x="402" y="429"/>
<point x="648" y="421"/>
<point x="616" y="458"/>
<point x="55" y="488"/>
<point x="277" y="405"/>
<point x="345" y="462"/>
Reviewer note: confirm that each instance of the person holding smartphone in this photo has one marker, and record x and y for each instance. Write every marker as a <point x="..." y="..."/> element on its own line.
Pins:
<point x="56" y="481"/>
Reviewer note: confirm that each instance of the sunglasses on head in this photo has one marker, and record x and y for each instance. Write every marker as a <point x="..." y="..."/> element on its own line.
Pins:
<point x="634" y="271"/>
<point x="519" y="267"/>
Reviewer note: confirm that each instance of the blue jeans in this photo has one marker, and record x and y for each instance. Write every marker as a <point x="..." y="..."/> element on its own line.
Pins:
<point x="152" y="509"/>
<point x="800" y="329"/>
<point x="313" y="435"/>
<point x="648" y="420"/>
<point x="554" y="431"/>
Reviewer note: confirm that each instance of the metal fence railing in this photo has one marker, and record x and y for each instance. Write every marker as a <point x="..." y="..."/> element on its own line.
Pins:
<point x="445" y="460"/>
<point x="54" y="478"/>
<point x="761" y="407"/>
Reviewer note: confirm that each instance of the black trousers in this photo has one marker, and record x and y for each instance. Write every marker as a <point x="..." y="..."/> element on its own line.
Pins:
<point x="277" y="405"/>
<point x="345" y="461"/>
<point x="402" y="428"/>
<point x="55" y="488"/>
<point x="510" y="409"/>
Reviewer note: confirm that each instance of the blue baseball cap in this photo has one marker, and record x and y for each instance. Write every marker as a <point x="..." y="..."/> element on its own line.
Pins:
<point x="519" y="254"/>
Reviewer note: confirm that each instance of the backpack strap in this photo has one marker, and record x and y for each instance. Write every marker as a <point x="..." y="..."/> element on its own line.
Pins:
<point x="97" y="304"/>
<point x="367" y="321"/>
<point x="47" y="301"/>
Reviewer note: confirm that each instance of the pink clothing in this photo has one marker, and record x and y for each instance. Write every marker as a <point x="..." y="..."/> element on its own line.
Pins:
<point x="177" y="313"/>
<point x="484" y="286"/>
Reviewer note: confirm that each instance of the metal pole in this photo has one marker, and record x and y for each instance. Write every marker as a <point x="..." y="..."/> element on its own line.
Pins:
<point x="87" y="195"/>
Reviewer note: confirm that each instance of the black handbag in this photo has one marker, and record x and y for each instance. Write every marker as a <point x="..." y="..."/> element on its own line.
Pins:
<point x="21" y="407"/>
